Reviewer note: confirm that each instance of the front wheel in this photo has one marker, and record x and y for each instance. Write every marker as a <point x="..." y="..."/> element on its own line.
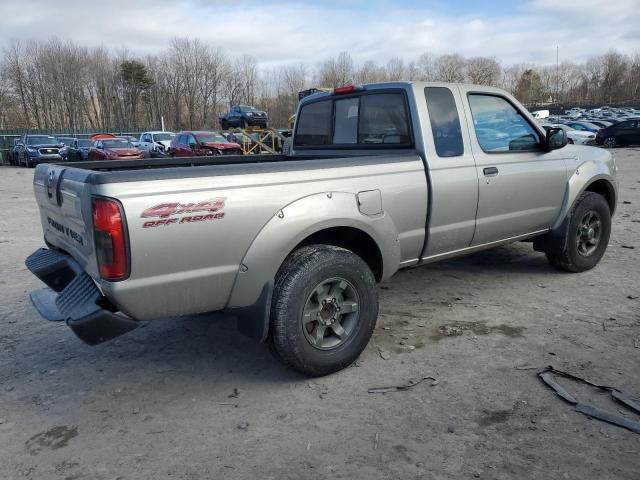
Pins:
<point x="324" y="309"/>
<point x="587" y="236"/>
<point x="610" y="142"/>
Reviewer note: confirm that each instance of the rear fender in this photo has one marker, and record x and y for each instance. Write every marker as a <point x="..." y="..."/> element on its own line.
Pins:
<point x="250" y="299"/>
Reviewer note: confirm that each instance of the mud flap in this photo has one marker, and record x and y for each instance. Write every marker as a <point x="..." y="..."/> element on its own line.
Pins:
<point x="556" y="240"/>
<point x="253" y="321"/>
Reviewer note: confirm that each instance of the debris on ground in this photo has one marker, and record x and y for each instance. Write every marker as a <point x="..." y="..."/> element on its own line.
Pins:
<point x="401" y="388"/>
<point x="243" y="426"/>
<point x="451" y="330"/>
<point x="234" y="394"/>
<point x="548" y="377"/>
<point x="526" y="367"/>
<point x="384" y="354"/>
<point x="630" y="247"/>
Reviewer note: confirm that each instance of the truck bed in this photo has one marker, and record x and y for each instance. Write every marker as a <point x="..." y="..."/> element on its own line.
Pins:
<point x="170" y="162"/>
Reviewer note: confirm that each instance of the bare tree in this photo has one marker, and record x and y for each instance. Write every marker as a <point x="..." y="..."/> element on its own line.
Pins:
<point x="396" y="70"/>
<point x="450" y="68"/>
<point x="335" y="72"/>
<point x="426" y="67"/>
<point x="483" y="71"/>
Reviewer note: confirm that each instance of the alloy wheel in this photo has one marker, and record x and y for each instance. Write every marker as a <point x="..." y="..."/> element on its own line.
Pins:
<point x="589" y="233"/>
<point x="330" y="315"/>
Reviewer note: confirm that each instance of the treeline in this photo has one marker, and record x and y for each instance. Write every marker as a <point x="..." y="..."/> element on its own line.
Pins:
<point x="61" y="85"/>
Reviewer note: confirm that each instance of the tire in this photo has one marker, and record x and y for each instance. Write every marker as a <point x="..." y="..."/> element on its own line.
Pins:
<point x="308" y="277"/>
<point x="243" y="123"/>
<point x="224" y="125"/>
<point x="570" y="141"/>
<point x="585" y="246"/>
<point x="610" y="142"/>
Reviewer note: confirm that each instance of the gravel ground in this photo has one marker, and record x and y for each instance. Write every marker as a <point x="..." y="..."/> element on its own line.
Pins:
<point x="191" y="398"/>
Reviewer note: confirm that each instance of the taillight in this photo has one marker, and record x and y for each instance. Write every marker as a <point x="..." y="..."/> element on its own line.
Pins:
<point x="110" y="239"/>
<point x="346" y="89"/>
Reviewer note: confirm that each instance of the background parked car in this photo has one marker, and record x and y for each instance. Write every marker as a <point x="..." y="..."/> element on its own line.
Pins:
<point x="12" y="156"/>
<point x="110" y="147"/>
<point x="195" y="144"/>
<point x="579" y="137"/>
<point x="600" y="123"/>
<point x="620" y="134"/>
<point x="583" y="126"/>
<point x="158" y="142"/>
<point x="65" y="151"/>
<point x="75" y="149"/>
<point x="243" y="116"/>
<point x="34" y="149"/>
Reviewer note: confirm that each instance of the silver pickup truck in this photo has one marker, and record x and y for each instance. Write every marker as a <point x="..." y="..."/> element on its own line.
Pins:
<point x="378" y="178"/>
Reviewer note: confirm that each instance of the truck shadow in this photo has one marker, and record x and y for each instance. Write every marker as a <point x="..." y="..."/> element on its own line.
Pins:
<point x="510" y="259"/>
<point x="208" y="348"/>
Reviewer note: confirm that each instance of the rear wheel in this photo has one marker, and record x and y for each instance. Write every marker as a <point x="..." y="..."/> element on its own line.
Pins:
<point x="324" y="309"/>
<point x="610" y="142"/>
<point x="587" y="236"/>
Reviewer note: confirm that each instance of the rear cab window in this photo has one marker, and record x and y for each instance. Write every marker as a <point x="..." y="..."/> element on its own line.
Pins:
<point x="445" y="122"/>
<point x="364" y="120"/>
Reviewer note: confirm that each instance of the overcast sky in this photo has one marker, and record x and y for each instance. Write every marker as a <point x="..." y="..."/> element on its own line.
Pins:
<point x="278" y="32"/>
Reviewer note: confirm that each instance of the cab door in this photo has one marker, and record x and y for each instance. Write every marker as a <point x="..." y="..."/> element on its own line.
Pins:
<point x="521" y="185"/>
<point x="452" y="171"/>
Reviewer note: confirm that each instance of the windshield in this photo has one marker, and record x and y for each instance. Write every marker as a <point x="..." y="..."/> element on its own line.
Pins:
<point x="41" y="139"/>
<point x="117" y="143"/>
<point x="245" y="108"/>
<point x="85" y="143"/>
<point x="212" y="138"/>
<point x="161" y="137"/>
<point x="66" y="140"/>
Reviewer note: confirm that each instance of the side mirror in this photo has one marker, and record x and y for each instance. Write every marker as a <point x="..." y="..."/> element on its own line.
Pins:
<point x="193" y="146"/>
<point x="556" y="138"/>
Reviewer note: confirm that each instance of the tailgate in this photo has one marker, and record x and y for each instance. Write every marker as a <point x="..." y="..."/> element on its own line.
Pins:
<point x="64" y="201"/>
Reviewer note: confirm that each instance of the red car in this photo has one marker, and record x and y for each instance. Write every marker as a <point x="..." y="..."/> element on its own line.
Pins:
<point x="196" y="144"/>
<point x="110" y="147"/>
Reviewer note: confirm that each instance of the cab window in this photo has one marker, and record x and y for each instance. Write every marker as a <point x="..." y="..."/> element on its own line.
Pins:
<point x="355" y="121"/>
<point x="500" y="127"/>
<point x="445" y="123"/>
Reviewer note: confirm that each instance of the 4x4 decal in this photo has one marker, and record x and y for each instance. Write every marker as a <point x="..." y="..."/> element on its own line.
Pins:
<point x="175" y="212"/>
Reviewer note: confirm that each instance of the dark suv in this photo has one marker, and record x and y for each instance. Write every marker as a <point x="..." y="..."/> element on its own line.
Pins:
<point x="34" y="149"/>
<point x="620" y="134"/>
<point x="243" y="116"/>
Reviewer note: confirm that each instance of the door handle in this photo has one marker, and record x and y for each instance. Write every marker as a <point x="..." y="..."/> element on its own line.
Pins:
<point x="490" y="172"/>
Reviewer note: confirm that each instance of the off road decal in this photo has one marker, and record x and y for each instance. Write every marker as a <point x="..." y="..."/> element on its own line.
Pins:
<point x="170" y="213"/>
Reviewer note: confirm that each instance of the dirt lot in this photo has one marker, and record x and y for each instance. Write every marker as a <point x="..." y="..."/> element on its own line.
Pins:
<point x="191" y="398"/>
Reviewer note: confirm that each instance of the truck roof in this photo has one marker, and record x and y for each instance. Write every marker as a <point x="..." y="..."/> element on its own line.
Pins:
<point x="402" y="84"/>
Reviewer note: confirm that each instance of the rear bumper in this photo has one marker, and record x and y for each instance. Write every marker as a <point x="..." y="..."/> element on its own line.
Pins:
<point x="74" y="298"/>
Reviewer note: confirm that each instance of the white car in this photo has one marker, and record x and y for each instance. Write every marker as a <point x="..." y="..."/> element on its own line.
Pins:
<point x="156" y="141"/>
<point x="579" y="137"/>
